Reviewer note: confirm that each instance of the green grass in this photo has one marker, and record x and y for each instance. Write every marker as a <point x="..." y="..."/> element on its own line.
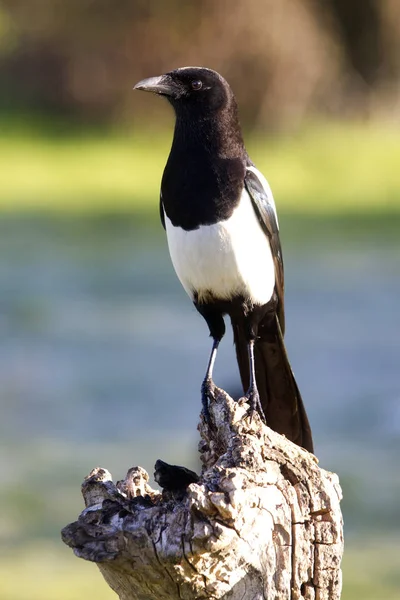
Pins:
<point x="325" y="169"/>
<point x="371" y="571"/>
<point x="49" y="572"/>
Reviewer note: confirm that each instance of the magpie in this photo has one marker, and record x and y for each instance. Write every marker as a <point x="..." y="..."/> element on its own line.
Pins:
<point x="223" y="237"/>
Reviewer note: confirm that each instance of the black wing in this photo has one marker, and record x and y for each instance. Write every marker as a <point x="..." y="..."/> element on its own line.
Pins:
<point x="264" y="206"/>
<point x="162" y="212"/>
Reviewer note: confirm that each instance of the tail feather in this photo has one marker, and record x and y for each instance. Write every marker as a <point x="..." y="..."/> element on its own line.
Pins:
<point x="279" y="395"/>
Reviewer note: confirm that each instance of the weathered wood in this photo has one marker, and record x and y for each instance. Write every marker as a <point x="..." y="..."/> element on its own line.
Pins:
<point x="262" y="522"/>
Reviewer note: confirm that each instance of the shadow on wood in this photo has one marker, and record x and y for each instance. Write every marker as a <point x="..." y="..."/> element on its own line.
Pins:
<point x="263" y="521"/>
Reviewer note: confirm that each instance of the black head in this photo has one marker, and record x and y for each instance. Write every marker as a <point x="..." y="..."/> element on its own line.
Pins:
<point x="197" y="89"/>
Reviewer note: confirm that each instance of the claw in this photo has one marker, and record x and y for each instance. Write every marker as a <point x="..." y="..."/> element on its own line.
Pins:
<point x="253" y="398"/>
<point x="207" y="395"/>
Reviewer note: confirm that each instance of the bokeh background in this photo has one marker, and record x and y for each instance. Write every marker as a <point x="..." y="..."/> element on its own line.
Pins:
<point x="101" y="353"/>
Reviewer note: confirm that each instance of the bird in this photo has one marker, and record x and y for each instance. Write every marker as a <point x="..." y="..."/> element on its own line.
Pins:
<point x="222" y="231"/>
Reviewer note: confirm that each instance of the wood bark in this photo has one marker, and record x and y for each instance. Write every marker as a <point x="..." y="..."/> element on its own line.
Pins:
<point x="262" y="522"/>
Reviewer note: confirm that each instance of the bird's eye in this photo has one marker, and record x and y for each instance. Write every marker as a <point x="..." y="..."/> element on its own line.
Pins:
<point x="197" y="84"/>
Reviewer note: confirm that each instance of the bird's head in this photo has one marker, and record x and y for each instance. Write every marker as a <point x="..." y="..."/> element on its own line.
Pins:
<point x="196" y="89"/>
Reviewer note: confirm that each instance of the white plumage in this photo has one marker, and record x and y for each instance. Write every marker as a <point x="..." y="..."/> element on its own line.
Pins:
<point x="267" y="189"/>
<point x="232" y="257"/>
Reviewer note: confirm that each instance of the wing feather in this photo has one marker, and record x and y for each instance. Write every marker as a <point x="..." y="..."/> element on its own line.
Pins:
<point x="162" y="216"/>
<point x="264" y="206"/>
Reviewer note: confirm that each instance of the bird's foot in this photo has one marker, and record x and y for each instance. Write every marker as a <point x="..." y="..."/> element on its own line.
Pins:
<point x="253" y="399"/>
<point x="207" y="395"/>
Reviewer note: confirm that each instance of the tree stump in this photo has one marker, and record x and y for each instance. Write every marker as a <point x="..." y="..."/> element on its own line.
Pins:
<point x="263" y="521"/>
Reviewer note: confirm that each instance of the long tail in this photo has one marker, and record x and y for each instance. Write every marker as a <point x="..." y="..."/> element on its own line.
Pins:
<point x="279" y="395"/>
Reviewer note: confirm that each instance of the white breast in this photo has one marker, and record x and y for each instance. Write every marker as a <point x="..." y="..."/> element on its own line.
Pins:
<point x="227" y="259"/>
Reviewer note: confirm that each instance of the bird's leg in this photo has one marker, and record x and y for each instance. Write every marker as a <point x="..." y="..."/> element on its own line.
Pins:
<point x="208" y="386"/>
<point x="214" y="317"/>
<point x="252" y="394"/>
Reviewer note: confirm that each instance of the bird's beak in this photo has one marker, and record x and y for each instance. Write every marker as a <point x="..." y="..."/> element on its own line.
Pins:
<point x="163" y="85"/>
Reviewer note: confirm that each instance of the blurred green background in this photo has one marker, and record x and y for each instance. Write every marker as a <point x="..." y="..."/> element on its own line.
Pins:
<point x="97" y="336"/>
